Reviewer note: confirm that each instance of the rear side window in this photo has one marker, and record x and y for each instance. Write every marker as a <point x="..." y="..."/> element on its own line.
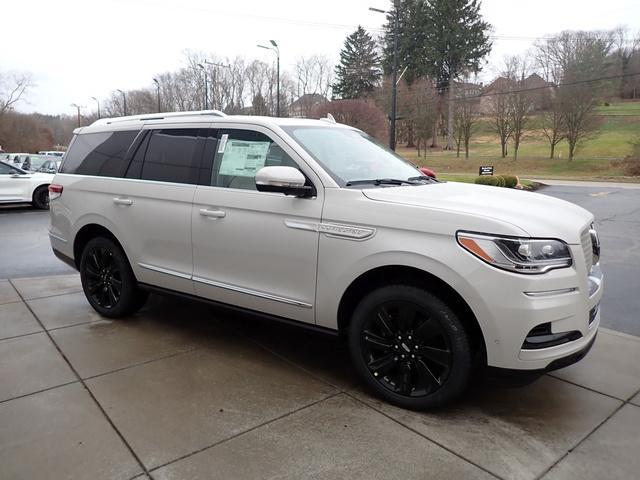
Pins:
<point x="171" y="156"/>
<point x="102" y="154"/>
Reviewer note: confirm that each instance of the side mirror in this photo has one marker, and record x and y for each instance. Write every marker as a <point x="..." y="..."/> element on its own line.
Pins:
<point x="287" y="180"/>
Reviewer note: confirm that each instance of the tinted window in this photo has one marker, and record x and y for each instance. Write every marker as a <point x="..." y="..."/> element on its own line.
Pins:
<point x="172" y="156"/>
<point x="241" y="153"/>
<point x="100" y="154"/>
<point x="6" y="169"/>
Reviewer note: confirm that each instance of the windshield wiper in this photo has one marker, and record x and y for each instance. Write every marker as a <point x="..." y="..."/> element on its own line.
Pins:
<point x="382" y="181"/>
<point x="421" y="178"/>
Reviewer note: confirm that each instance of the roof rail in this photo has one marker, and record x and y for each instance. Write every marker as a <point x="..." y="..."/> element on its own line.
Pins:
<point x="158" y="116"/>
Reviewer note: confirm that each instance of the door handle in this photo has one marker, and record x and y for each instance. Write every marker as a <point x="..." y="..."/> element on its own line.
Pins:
<point x="122" y="201"/>
<point x="205" y="212"/>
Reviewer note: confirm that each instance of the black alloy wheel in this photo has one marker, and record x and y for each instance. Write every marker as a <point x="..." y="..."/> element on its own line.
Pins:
<point x="108" y="281"/>
<point x="406" y="350"/>
<point x="104" y="279"/>
<point x="410" y="347"/>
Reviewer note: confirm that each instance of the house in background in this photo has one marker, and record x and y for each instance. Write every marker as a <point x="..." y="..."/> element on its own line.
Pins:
<point x="303" y="106"/>
<point x="536" y="86"/>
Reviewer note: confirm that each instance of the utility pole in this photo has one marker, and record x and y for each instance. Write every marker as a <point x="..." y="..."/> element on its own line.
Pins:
<point x="206" y="95"/>
<point x="274" y="47"/>
<point x="78" y="107"/>
<point x="155" y="80"/>
<point x="394" y="73"/>
<point x="98" y="102"/>
<point x="124" y="101"/>
<point x="215" y="80"/>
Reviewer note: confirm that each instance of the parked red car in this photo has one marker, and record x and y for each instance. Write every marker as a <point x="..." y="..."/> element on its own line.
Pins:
<point x="427" y="171"/>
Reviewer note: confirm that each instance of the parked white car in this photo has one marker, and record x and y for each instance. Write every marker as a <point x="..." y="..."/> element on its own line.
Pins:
<point x="312" y="222"/>
<point x="19" y="186"/>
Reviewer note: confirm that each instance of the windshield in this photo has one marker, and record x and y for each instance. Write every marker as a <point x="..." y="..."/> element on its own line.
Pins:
<point x="350" y="155"/>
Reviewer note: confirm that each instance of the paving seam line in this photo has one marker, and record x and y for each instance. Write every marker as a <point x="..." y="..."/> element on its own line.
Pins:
<point x="37" y="392"/>
<point x="95" y="400"/>
<point x="586" y="388"/>
<point x="20" y="336"/>
<point x="249" y="430"/>
<point x="145" y="362"/>
<point x="439" y="444"/>
<point x="582" y="440"/>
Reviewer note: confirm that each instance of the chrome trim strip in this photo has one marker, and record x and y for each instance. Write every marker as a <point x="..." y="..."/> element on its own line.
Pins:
<point x="549" y="293"/>
<point x="337" y="230"/>
<point x="255" y="293"/>
<point x="173" y="273"/>
<point x="52" y="235"/>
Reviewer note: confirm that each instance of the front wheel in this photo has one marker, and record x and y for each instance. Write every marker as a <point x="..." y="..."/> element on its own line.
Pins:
<point x="107" y="279"/>
<point x="410" y="347"/>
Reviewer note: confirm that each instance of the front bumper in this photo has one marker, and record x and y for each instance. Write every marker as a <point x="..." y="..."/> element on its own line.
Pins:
<point x="565" y="299"/>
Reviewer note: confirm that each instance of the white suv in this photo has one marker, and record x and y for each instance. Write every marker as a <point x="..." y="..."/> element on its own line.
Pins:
<point x="313" y="222"/>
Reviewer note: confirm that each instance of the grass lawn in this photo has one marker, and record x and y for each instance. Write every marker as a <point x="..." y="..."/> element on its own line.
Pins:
<point x="597" y="157"/>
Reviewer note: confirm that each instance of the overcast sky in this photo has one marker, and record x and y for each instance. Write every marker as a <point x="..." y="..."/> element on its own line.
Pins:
<point x="76" y="49"/>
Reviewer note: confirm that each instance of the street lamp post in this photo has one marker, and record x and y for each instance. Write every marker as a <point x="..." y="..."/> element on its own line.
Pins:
<point x="394" y="75"/>
<point x="274" y="47"/>
<point x="206" y="95"/>
<point x="98" y="103"/>
<point x="78" y="107"/>
<point x="215" y="79"/>
<point x="124" y="101"/>
<point x="155" y="80"/>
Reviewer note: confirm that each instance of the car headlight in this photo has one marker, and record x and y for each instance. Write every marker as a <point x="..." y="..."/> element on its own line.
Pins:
<point x="521" y="255"/>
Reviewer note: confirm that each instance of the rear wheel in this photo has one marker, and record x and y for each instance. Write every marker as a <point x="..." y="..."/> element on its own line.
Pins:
<point x="41" y="197"/>
<point x="410" y="347"/>
<point x="108" y="281"/>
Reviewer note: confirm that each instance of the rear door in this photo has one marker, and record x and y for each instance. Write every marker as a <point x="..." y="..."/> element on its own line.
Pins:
<point x="152" y="205"/>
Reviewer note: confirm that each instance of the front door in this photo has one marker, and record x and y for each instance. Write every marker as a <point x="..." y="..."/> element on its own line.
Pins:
<point x="14" y="186"/>
<point x="253" y="249"/>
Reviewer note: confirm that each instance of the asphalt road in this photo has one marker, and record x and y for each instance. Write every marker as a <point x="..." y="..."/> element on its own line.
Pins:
<point x="25" y="250"/>
<point x="617" y="212"/>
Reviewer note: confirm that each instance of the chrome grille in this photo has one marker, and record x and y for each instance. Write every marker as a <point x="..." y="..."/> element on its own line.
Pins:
<point x="585" y="240"/>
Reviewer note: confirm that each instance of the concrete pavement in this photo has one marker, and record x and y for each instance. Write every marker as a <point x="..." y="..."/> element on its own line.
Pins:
<point x="181" y="390"/>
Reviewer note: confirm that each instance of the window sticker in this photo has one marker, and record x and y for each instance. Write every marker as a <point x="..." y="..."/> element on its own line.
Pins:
<point x="223" y="143"/>
<point x="243" y="158"/>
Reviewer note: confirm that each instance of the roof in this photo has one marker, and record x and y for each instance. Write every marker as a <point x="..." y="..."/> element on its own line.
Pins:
<point x="309" y="99"/>
<point x="138" y="121"/>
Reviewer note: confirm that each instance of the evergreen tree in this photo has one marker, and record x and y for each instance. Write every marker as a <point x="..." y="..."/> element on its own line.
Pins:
<point x="441" y="39"/>
<point x="359" y="69"/>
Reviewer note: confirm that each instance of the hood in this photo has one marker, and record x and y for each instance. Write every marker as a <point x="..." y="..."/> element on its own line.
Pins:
<point x="537" y="214"/>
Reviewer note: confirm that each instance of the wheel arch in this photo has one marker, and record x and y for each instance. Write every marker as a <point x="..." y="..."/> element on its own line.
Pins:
<point x="88" y="232"/>
<point x="38" y="186"/>
<point x="403" y="274"/>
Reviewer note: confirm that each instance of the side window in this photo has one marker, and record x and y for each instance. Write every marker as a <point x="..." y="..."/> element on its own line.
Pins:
<point x="241" y="153"/>
<point x="135" y="167"/>
<point x="6" y="169"/>
<point x="171" y="156"/>
<point x="101" y="154"/>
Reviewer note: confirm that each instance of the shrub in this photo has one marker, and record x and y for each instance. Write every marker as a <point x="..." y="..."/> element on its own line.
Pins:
<point x="510" y="181"/>
<point x="507" y="181"/>
<point x="487" y="180"/>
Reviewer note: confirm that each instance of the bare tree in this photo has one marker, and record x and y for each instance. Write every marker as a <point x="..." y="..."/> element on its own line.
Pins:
<point x="314" y="75"/>
<point x="501" y="116"/>
<point x="465" y="117"/>
<point x="553" y="123"/>
<point x="575" y="60"/>
<point x="520" y="100"/>
<point x="13" y="87"/>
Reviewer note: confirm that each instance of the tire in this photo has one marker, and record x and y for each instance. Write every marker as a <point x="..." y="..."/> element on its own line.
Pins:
<point x="108" y="281"/>
<point x="409" y="347"/>
<point x="40" y="198"/>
